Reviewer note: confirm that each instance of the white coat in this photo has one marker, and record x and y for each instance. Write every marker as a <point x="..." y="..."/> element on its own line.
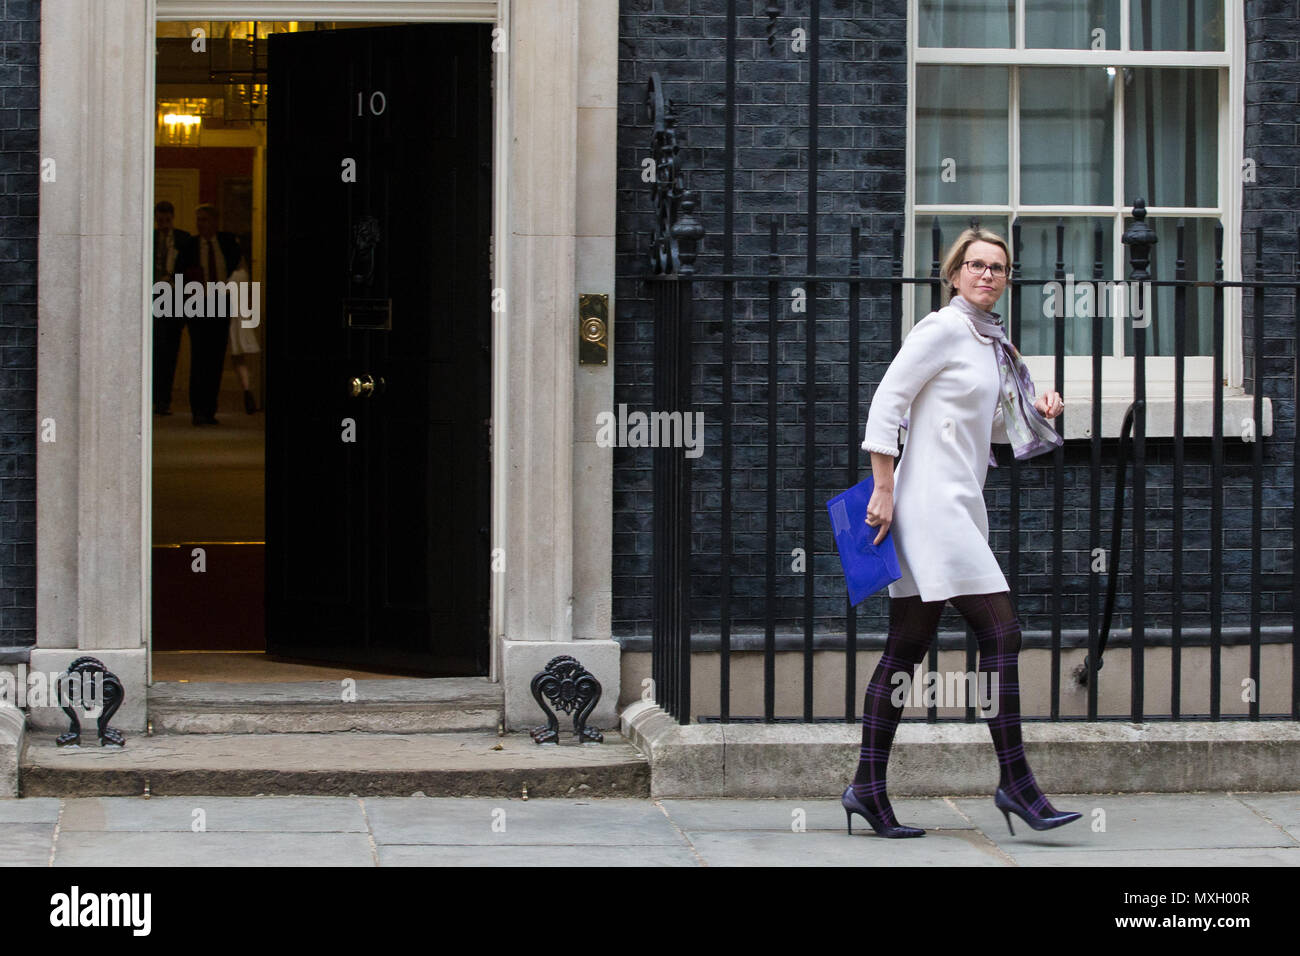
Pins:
<point x="947" y="373"/>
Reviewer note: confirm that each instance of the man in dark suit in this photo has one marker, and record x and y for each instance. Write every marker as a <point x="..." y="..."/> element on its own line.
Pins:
<point x="210" y="256"/>
<point x="167" y="243"/>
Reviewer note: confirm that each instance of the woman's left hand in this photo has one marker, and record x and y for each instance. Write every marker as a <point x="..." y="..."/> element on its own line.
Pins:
<point x="1050" y="404"/>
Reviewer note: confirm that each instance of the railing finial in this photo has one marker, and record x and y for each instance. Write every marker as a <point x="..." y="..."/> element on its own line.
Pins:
<point x="1140" y="237"/>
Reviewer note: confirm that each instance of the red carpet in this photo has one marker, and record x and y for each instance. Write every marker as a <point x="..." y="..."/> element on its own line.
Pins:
<point x="221" y="608"/>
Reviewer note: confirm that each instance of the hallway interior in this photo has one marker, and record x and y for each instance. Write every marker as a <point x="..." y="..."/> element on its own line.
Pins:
<point x="209" y="495"/>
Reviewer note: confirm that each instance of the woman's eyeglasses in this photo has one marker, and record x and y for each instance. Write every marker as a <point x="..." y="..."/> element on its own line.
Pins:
<point x="976" y="267"/>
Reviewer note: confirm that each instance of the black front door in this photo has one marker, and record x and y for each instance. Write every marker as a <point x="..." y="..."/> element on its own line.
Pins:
<point x="378" y="344"/>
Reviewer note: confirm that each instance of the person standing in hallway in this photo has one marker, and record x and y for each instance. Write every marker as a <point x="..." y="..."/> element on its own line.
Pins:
<point x="209" y="256"/>
<point x="243" y="343"/>
<point x="966" y="386"/>
<point x="167" y="242"/>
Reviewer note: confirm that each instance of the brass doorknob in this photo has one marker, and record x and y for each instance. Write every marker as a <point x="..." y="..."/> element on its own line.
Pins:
<point x="362" y="385"/>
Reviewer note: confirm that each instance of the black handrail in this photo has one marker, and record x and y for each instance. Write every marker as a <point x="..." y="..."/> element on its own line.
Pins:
<point x="1117" y="527"/>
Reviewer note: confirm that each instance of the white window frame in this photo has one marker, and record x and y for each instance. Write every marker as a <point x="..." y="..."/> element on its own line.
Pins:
<point x="1117" y="373"/>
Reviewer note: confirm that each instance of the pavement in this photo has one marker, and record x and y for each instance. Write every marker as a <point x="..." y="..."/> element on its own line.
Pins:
<point x="1144" y="829"/>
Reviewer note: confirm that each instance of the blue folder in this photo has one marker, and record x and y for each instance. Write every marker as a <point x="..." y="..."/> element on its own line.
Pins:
<point x="867" y="567"/>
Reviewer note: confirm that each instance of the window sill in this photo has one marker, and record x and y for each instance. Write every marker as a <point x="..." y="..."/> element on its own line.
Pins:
<point x="1198" y="417"/>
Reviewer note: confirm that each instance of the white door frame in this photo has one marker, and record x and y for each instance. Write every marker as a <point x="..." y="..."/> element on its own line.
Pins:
<point x="93" y="369"/>
<point x="95" y="462"/>
<point x="397" y="11"/>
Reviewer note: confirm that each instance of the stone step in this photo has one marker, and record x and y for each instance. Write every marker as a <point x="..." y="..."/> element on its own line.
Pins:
<point x="398" y="706"/>
<point x="361" y="764"/>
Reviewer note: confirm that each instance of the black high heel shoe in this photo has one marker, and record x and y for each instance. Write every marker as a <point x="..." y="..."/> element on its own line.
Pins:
<point x="1057" y="819"/>
<point x="853" y="805"/>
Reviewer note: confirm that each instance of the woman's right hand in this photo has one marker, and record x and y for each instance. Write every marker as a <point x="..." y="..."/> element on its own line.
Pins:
<point x="880" y="511"/>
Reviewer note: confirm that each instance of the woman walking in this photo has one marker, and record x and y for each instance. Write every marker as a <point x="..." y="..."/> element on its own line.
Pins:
<point x="966" y="387"/>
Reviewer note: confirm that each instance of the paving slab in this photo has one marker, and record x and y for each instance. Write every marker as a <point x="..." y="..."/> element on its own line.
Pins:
<point x="818" y="814"/>
<point x="863" y="848"/>
<point x="1254" y="856"/>
<point x="125" y="848"/>
<point x="1192" y="830"/>
<point x="219" y="814"/>
<point x="1147" y="821"/>
<point x="26" y="844"/>
<point x="1282" y="809"/>
<point x="445" y="821"/>
<point x="536" y="856"/>
<point x="30" y="810"/>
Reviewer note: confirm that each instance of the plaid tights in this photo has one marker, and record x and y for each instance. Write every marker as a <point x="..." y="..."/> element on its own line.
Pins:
<point x="913" y="624"/>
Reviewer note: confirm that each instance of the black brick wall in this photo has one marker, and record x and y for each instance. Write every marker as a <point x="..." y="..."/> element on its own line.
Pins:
<point x="1272" y="122"/>
<point x="861" y="181"/>
<point x="19" y="170"/>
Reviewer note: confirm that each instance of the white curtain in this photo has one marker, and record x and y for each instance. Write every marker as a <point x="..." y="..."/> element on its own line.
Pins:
<point x="1038" y="261"/>
<point x="1171" y="136"/>
<point x="1067" y="136"/>
<point x="1068" y="24"/>
<point x="1198" y="253"/>
<point x="962" y="134"/>
<point x="966" y="23"/>
<point x="1176" y="24"/>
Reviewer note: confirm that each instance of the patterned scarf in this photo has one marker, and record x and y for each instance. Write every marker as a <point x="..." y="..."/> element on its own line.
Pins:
<point x="1030" y="432"/>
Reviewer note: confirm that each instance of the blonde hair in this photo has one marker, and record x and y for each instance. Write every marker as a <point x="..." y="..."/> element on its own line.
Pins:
<point x="957" y="254"/>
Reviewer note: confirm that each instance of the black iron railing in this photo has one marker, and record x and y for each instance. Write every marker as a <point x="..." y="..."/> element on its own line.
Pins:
<point x="674" y="284"/>
<point x="683" y="301"/>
